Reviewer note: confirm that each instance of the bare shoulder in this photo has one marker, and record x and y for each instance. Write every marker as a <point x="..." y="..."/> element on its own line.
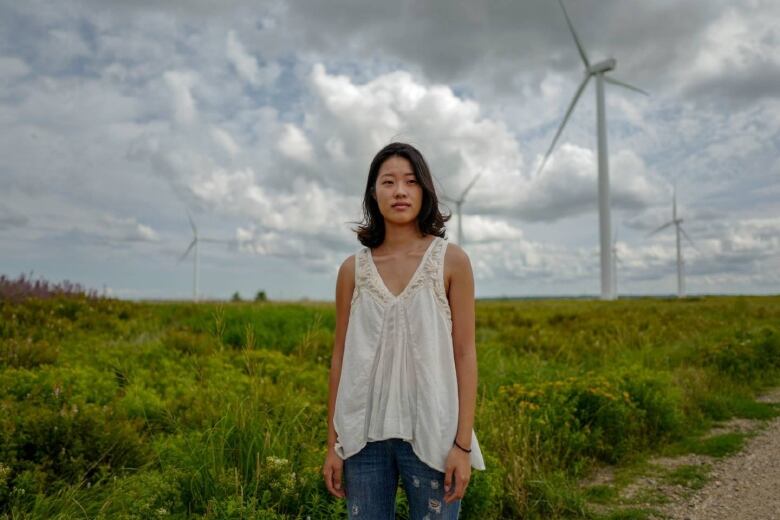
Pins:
<point x="345" y="283"/>
<point x="456" y="264"/>
<point x="455" y="255"/>
<point x="347" y="269"/>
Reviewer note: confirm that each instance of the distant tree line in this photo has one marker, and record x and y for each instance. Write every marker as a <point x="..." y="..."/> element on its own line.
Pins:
<point x="259" y="297"/>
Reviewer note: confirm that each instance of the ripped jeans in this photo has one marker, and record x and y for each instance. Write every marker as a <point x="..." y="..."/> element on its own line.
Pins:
<point x="371" y="482"/>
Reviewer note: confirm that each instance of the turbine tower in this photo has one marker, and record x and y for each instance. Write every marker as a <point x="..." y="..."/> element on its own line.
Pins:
<point x="598" y="70"/>
<point x="677" y="222"/>
<point x="458" y="204"/>
<point x="615" y="261"/>
<point x="196" y="260"/>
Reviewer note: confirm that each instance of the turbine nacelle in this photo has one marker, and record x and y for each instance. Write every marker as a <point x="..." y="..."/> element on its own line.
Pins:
<point x="459" y="203"/>
<point x="602" y="66"/>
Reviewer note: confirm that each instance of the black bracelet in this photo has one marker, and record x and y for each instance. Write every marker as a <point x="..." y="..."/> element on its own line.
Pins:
<point x="461" y="447"/>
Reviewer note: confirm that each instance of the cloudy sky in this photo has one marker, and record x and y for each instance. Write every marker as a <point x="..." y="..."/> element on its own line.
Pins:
<point x="261" y="119"/>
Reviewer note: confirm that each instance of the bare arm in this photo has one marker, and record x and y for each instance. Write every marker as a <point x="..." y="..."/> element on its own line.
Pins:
<point x="345" y="285"/>
<point x="462" y="306"/>
<point x="333" y="467"/>
<point x="461" y="298"/>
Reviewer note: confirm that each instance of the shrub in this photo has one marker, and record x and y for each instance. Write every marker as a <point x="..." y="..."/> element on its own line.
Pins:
<point x="72" y="444"/>
<point x="188" y="342"/>
<point x="660" y="404"/>
<point x="593" y="416"/>
<point x="27" y="353"/>
<point x="485" y="490"/>
<point x="749" y="356"/>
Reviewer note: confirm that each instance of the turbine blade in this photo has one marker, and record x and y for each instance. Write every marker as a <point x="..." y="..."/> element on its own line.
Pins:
<point x="182" y="257"/>
<point x="565" y="119"/>
<point x="471" y="185"/>
<point x="192" y="224"/>
<point x="448" y="199"/>
<point x="689" y="239"/>
<point x="576" y="39"/>
<point x="660" y="228"/>
<point x="614" y="81"/>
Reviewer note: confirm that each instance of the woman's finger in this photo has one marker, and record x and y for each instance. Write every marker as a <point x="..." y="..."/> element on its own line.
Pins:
<point x="462" y="482"/>
<point x="326" y="474"/>
<point x="337" y="483"/>
<point x="458" y="490"/>
<point x="449" y="476"/>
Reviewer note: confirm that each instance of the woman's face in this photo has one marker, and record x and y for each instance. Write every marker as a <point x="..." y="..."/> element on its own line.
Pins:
<point x="397" y="192"/>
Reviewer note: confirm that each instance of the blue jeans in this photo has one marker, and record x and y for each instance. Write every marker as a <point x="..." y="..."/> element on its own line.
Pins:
<point x="371" y="482"/>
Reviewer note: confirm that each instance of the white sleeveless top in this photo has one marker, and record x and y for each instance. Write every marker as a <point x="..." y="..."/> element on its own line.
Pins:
<point x="398" y="376"/>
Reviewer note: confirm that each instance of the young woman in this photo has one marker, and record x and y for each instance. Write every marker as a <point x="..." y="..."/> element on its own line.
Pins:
<point x="403" y="374"/>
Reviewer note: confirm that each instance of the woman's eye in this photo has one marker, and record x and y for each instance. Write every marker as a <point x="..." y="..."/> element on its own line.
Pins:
<point x="387" y="182"/>
<point x="413" y="181"/>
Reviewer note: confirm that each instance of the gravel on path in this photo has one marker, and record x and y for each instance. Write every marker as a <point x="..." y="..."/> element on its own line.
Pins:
<point x="744" y="486"/>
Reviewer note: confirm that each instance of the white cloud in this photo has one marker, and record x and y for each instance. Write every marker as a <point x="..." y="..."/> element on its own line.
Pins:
<point x="477" y="228"/>
<point x="738" y="49"/>
<point x="294" y="144"/>
<point x="450" y="131"/>
<point x="126" y="229"/>
<point x="225" y="140"/>
<point x="180" y="84"/>
<point x="568" y="186"/>
<point x="527" y="261"/>
<point x="246" y="65"/>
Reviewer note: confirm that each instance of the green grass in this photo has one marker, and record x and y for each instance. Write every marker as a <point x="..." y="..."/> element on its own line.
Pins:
<point x="717" y="445"/>
<point x="140" y="410"/>
<point x="721" y="406"/>
<point x="691" y="476"/>
<point x="601" y="493"/>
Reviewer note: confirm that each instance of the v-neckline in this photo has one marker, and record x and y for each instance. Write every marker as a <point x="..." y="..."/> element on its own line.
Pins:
<point x="411" y="280"/>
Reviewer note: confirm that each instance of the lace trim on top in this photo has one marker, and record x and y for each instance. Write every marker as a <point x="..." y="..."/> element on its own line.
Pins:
<point x="358" y="282"/>
<point x="431" y="273"/>
<point x="436" y="273"/>
<point x="366" y="279"/>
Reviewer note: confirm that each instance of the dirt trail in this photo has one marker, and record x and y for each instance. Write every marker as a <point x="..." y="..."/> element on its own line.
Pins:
<point x="744" y="486"/>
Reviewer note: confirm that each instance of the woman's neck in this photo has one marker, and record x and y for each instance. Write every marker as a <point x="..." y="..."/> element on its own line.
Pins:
<point x="399" y="238"/>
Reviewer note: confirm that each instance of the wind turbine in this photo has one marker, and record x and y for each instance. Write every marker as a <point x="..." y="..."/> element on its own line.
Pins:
<point x="459" y="203"/>
<point x="598" y="70"/>
<point x="677" y="222"/>
<point x="194" y="245"/>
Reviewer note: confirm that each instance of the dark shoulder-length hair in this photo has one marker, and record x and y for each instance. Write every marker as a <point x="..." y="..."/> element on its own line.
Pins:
<point x="371" y="231"/>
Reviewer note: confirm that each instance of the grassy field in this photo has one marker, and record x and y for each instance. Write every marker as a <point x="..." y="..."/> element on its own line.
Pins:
<point x="114" y="409"/>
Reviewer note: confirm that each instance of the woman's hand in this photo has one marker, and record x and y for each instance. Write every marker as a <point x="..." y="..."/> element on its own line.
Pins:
<point x="457" y="474"/>
<point x="332" y="470"/>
